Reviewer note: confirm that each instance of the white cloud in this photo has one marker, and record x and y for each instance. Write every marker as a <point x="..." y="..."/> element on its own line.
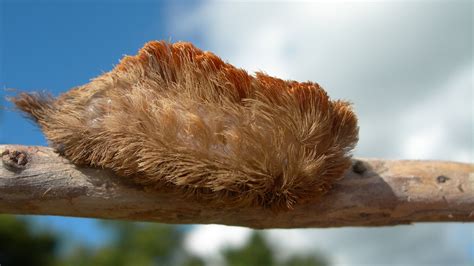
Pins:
<point x="422" y="143"/>
<point x="208" y="240"/>
<point x="421" y="244"/>
<point x="432" y="128"/>
<point x="407" y="67"/>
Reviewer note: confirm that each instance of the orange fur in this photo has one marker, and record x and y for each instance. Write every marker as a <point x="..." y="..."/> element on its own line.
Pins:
<point x="179" y="118"/>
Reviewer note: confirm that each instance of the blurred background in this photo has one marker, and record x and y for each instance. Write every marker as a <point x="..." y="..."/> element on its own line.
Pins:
<point x="406" y="65"/>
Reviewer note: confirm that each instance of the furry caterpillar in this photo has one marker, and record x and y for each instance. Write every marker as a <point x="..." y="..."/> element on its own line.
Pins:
<point x="178" y="118"/>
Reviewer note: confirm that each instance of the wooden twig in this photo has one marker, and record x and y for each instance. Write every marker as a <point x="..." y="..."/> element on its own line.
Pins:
<point x="35" y="180"/>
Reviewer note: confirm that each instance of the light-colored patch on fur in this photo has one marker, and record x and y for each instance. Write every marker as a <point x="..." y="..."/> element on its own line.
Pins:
<point x="178" y="118"/>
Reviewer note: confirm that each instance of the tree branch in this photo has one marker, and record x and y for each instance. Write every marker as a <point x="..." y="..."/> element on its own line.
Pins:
<point x="35" y="180"/>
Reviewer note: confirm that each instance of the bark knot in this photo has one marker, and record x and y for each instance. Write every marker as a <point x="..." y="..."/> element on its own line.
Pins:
<point x="359" y="167"/>
<point x="14" y="160"/>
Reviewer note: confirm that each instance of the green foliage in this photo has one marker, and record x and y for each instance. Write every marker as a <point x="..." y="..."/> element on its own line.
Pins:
<point x="255" y="253"/>
<point x="194" y="261"/>
<point x="314" y="260"/>
<point x="137" y="244"/>
<point x="19" y="245"/>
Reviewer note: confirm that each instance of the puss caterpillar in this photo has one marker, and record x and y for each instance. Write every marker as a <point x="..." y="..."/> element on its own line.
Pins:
<point x="178" y="118"/>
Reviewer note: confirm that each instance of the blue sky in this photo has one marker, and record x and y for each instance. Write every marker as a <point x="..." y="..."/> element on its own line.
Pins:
<point x="406" y="65"/>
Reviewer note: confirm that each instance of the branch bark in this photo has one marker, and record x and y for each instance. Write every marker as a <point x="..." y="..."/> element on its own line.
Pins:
<point x="35" y="180"/>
